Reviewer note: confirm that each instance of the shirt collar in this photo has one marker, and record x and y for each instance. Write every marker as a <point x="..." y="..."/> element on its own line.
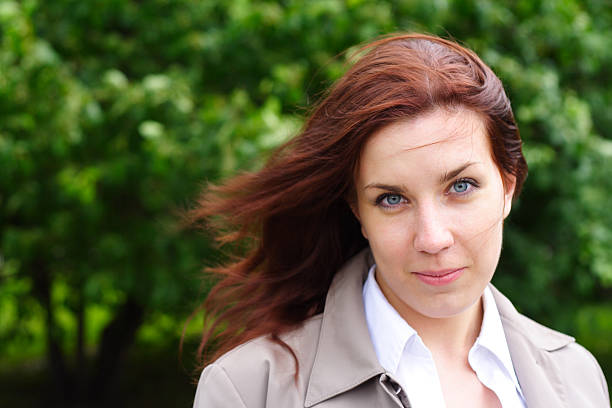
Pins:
<point x="388" y="330"/>
<point x="492" y="336"/>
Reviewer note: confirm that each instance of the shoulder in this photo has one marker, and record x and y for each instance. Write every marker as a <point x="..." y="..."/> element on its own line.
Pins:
<point x="260" y="355"/>
<point x="557" y="354"/>
<point x="581" y="373"/>
<point x="261" y="369"/>
<point x="536" y="334"/>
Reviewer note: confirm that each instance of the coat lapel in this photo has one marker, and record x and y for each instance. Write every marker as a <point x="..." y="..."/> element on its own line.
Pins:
<point x="530" y="345"/>
<point x="345" y="356"/>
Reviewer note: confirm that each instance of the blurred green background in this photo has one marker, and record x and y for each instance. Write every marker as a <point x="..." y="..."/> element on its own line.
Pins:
<point x="113" y="113"/>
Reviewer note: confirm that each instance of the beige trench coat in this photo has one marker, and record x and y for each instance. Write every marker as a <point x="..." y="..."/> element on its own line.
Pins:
<point x="339" y="368"/>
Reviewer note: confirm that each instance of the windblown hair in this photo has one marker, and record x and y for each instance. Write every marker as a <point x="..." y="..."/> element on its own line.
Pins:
<point x="293" y="216"/>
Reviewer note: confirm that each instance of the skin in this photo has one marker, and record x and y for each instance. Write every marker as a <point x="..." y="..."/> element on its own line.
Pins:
<point x="430" y="200"/>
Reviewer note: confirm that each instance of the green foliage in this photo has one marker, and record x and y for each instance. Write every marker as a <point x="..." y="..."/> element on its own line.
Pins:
<point x="113" y="112"/>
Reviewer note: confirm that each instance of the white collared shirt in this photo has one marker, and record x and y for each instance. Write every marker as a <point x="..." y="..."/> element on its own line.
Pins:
<point x="403" y="354"/>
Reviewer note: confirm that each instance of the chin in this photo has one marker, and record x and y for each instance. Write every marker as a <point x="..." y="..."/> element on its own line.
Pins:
<point x="446" y="308"/>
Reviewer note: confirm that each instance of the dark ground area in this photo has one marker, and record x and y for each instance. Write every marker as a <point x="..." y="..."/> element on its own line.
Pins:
<point x="149" y="378"/>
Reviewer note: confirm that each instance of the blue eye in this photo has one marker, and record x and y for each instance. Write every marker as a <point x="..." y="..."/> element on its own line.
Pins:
<point x="463" y="186"/>
<point x="389" y="200"/>
<point x="393" y="199"/>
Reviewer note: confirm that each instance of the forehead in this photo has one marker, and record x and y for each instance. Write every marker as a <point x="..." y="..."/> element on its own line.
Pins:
<point x="441" y="137"/>
<point x="435" y="127"/>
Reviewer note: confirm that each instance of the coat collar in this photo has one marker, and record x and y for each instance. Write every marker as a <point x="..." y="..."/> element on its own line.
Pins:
<point x="531" y="346"/>
<point x="346" y="358"/>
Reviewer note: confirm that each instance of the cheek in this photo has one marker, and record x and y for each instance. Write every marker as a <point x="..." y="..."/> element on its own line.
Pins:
<point x="386" y="235"/>
<point x="482" y="216"/>
<point x="386" y="232"/>
<point x="482" y="237"/>
<point x="476" y="224"/>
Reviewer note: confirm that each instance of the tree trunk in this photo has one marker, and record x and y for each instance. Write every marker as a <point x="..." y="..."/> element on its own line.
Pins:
<point x="61" y="379"/>
<point x="80" y="366"/>
<point x="118" y="335"/>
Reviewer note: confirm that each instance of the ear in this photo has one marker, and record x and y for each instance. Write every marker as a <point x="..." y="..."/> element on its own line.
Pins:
<point x="355" y="210"/>
<point x="509" y="187"/>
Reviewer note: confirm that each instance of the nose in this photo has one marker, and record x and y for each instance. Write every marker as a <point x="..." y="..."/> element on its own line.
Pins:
<point x="432" y="233"/>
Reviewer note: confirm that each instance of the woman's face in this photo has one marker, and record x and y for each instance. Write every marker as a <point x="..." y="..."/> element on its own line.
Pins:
<point x="431" y="203"/>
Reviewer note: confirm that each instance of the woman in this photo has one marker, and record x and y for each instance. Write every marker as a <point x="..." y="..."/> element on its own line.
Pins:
<point x="370" y="242"/>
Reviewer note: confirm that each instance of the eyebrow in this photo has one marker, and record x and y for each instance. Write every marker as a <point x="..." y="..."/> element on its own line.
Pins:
<point x="446" y="177"/>
<point x="388" y="187"/>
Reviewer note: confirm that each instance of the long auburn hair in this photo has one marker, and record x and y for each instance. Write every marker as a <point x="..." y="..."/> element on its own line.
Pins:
<point x="291" y="220"/>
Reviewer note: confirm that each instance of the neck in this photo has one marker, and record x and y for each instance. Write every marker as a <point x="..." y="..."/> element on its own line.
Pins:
<point x="451" y="336"/>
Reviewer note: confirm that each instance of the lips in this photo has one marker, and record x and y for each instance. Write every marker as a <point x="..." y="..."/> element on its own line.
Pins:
<point x="440" y="277"/>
